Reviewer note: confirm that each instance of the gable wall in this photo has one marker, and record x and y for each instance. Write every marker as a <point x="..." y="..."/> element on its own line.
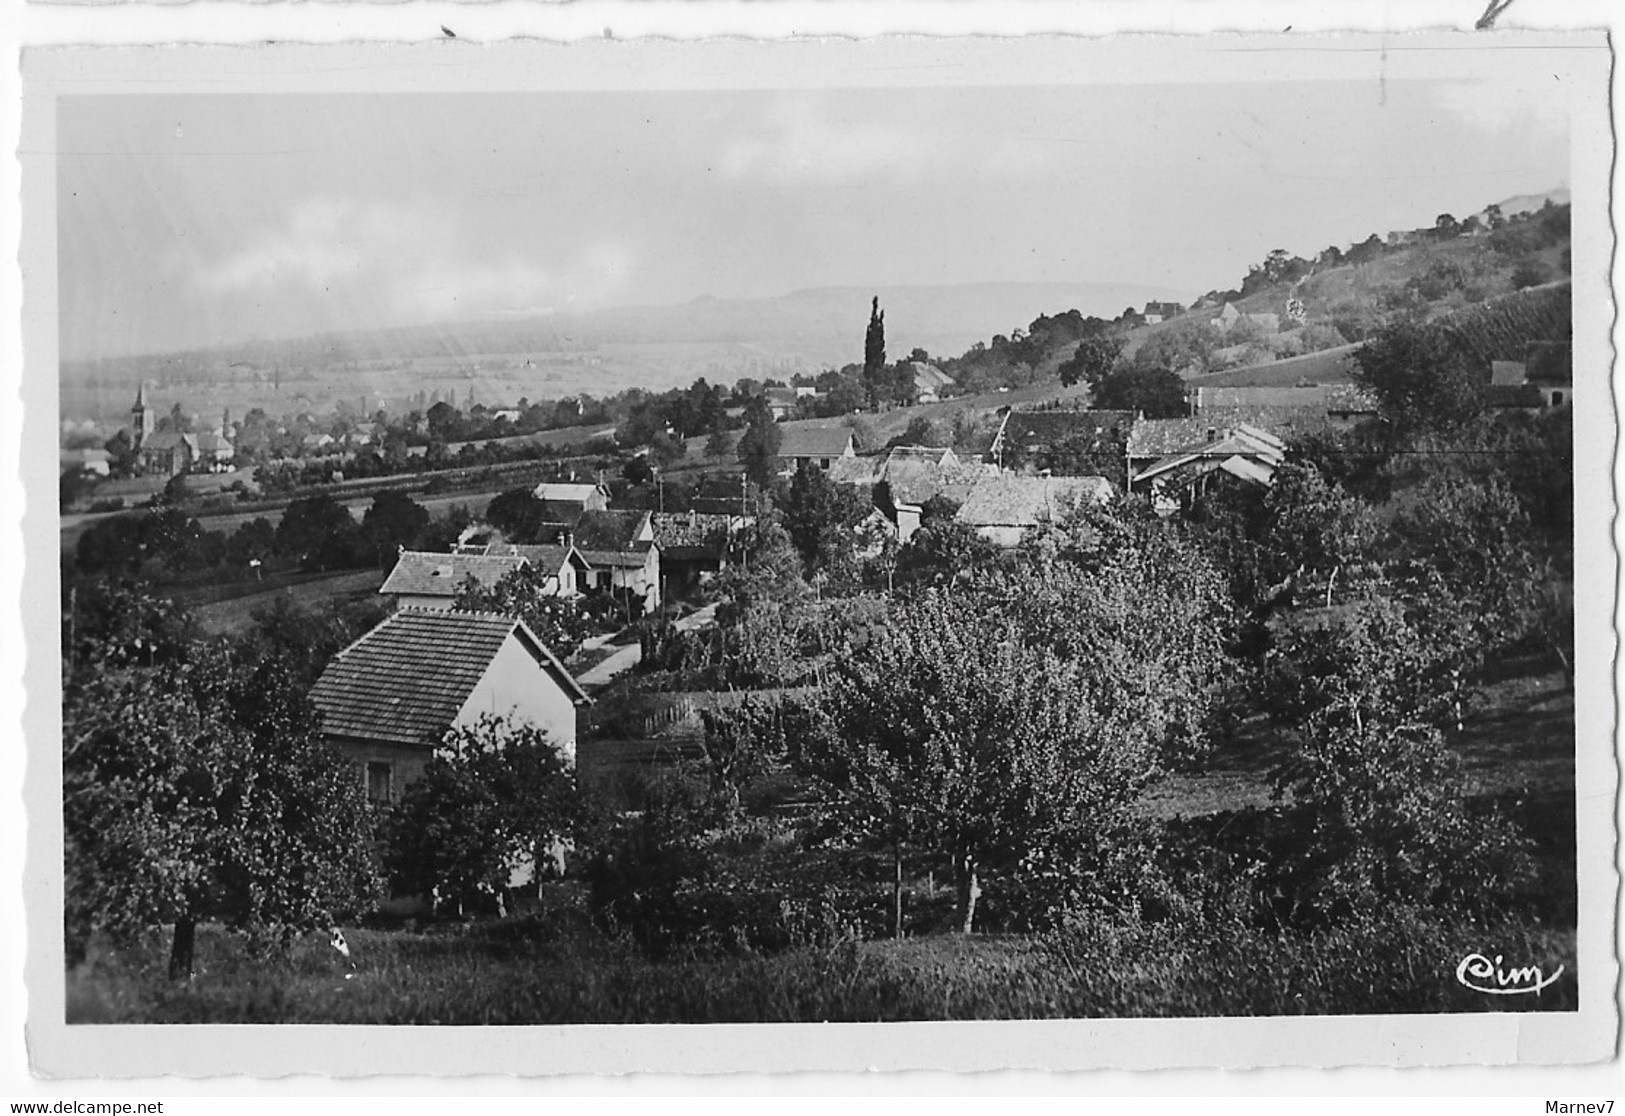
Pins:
<point x="515" y="683"/>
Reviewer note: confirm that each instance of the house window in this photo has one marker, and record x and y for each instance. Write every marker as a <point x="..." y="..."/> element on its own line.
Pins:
<point x="1557" y="399"/>
<point x="380" y="777"/>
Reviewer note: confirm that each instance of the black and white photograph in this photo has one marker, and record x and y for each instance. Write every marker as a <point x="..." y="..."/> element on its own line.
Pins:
<point x="828" y="533"/>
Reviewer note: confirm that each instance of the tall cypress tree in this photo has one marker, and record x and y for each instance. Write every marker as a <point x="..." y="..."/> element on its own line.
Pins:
<point x="874" y="353"/>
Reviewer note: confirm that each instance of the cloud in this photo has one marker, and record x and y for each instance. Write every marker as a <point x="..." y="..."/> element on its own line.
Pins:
<point x="800" y="143"/>
<point x="1496" y="106"/>
<point x="409" y="261"/>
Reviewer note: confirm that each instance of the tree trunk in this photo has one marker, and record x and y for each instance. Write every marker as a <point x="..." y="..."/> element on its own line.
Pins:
<point x="970" y="890"/>
<point x="1330" y="582"/>
<point x="897" y="890"/>
<point x="181" y="949"/>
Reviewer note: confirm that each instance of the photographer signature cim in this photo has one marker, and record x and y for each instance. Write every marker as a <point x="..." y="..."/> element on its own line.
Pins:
<point x="1483" y="975"/>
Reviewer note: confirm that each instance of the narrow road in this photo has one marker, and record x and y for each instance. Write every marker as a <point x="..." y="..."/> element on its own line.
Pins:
<point x="624" y="659"/>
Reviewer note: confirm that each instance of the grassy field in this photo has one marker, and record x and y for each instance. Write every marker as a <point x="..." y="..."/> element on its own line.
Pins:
<point x="556" y="966"/>
<point x="235" y="614"/>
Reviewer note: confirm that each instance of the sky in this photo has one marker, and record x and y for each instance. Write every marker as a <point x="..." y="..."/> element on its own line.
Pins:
<point x="190" y="221"/>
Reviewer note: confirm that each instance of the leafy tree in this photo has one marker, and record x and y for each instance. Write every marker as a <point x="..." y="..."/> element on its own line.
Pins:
<point x="740" y="742"/>
<point x="758" y="448"/>
<point x="1093" y="359"/>
<point x="819" y="516"/>
<point x="1446" y="227"/>
<point x="1421" y="379"/>
<point x="532" y="594"/>
<point x="122" y="453"/>
<point x="497" y="796"/>
<point x="720" y="442"/>
<point x="320" y="533"/>
<point x="395" y="520"/>
<point x="1157" y="392"/>
<point x="1378" y="796"/>
<point x="953" y="735"/>
<point x="518" y="514"/>
<point x="203" y="792"/>
<point x="1315" y="527"/>
<point x="943" y="552"/>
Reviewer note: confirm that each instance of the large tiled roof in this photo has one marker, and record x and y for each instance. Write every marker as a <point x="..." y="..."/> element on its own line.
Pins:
<point x="406" y="680"/>
<point x="422" y="574"/>
<point x="691" y="529"/>
<point x="168" y="440"/>
<point x="609" y="530"/>
<point x="1312" y="397"/>
<point x="568" y="492"/>
<point x="541" y="555"/>
<point x="1013" y="501"/>
<point x="814" y="441"/>
<point x="1163" y="437"/>
<point x="1101" y="431"/>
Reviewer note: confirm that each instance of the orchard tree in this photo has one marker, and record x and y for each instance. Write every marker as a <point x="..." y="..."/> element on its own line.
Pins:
<point x="1315" y="527"/>
<point x="952" y="734"/>
<point x="203" y="791"/>
<point x="497" y="797"/>
<point x="530" y="593"/>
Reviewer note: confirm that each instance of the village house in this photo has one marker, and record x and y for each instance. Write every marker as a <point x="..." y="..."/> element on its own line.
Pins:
<point x="572" y="498"/>
<point x="814" y="445"/>
<point x="566" y="571"/>
<point x="914" y="474"/>
<point x="621" y="549"/>
<point x="1230" y="316"/>
<point x="386" y="700"/>
<point x="1175" y="461"/>
<point x="782" y="403"/>
<point x="423" y="579"/>
<point x="1161" y="311"/>
<point x="1002" y="509"/>
<point x="693" y="546"/>
<point x="931" y="383"/>
<point x="1543" y="379"/>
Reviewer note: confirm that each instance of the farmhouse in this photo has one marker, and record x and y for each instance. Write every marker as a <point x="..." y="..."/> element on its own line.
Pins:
<point x="930" y="382"/>
<point x="693" y="545"/>
<point x="621" y="549"/>
<point x="386" y="700"/>
<point x="1544" y="378"/>
<point x="815" y="445"/>
<point x="1230" y="316"/>
<point x="1002" y="509"/>
<point x="567" y="571"/>
<point x="1189" y="458"/>
<point x="422" y="579"/>
<point x="913" y="473"/>
<point x="1161" y="311"/>
<point x="572" y="496"/>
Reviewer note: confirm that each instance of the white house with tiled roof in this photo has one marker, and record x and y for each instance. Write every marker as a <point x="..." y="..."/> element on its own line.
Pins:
<point x="424" y="579"/>
<point x="388" y="698"/>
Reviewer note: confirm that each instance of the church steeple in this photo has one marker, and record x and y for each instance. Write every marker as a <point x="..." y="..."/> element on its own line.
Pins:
<point x="142" y="420"/>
